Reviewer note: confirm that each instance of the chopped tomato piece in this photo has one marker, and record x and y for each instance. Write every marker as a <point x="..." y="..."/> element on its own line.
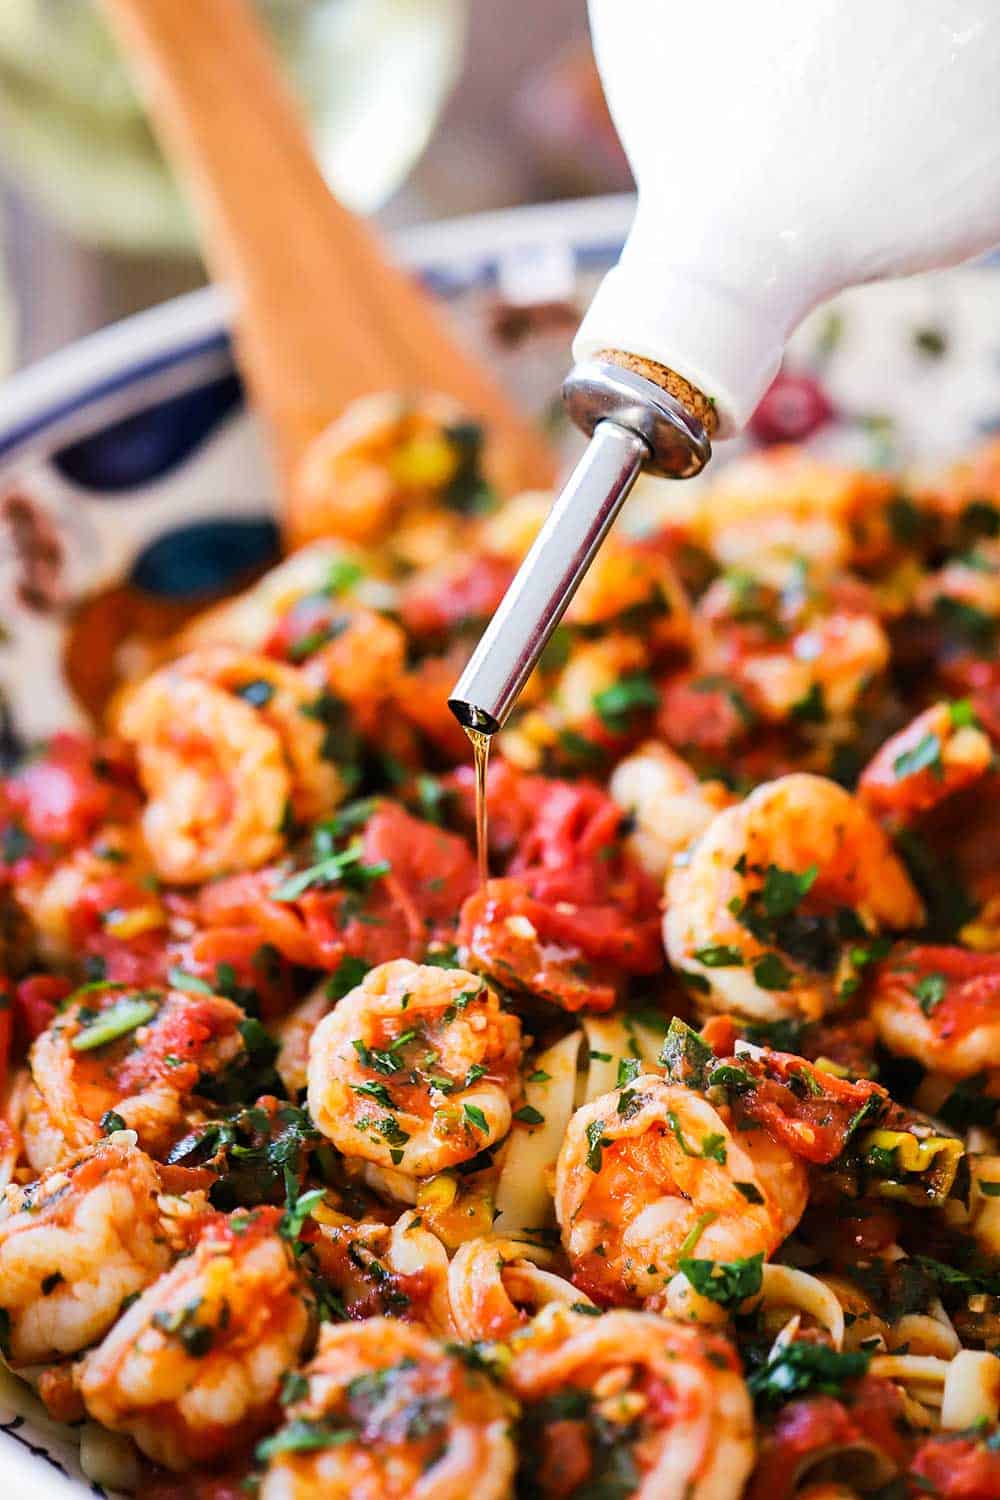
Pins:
<point x="413" y="905"/>
<point x="813" y="1113"/>
<point x="969" y="986"/>
<point x="871" y="1415"/>
<point x="176" y="1042"/>
<point x="66" y="793"/>
<point x="957" y="1466"/>
<point x="37" y="999"/>
<point x="524" y="944"/>
<point x="924" y="764"/>
<point x="432" y="605"/>
<point x="236" y="955"/>
<point x="701" y="712"/>
<point x="421" y="697"/>
<point x="431" y="871"/>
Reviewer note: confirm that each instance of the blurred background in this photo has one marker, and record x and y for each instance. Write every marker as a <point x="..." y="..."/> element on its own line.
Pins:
<point x="420" y="110"/>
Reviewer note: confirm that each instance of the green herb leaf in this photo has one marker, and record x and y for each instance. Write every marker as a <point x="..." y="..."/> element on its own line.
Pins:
<point x="348" y="973"/>
<point x="930" y="991"/>
<point x="180" y="979"/>
<point x="475" y="1117"/>
<point x="799" y="1367"/>
<point x="529" y="1115"/>
<point x="684" y="1055"/>
<point x="719" y="957"/>
<point x="962" y="714"/>
<point x="727" y="1282"/>
<point x="596" y="1141"/>
<point x="303" y="1436"/>
<point x="343" y="574"/>
<point x="812" y="708"/>
<point x="614" y="705"/>
<point x="750" y="1191"/>
<point x="110" y="1122"/>
<point x="771" y="973"/>
<point x="629" y="1069"/>
<point x="347" y="867"/>
<point x="925" y="755"/>
<point x="298" y="1207"/>
<point x="115" y="1022"/>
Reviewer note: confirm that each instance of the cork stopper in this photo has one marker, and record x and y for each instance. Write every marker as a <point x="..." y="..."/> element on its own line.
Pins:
<point x="682" y="390"/>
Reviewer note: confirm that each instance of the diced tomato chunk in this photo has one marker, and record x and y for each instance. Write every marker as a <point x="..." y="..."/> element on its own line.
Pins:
<point x="871" y="1414"/>
<point x="811" y="1112"/>
<point x="524" y="944"/>
<point x="37" y="1000"/>
<point x="971" y="992"/>
<point x="432" y="605"/>
<point x="702" y="713"/>
<point x="66" y="793"/>
<point x="957" y="1466"/>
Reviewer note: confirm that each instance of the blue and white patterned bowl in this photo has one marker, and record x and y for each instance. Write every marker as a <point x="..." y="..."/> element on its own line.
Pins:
<point x="133" y="456"/>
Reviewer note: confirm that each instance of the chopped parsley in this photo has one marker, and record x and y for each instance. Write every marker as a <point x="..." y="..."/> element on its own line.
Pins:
<point x="304" y="1436"/>
<point x="930" y="991"/>
<point x="616" y="704"/>
<point x="798" y="1368"/>
<point x="925" y="755"/>
<point x="347" y="867"/>
<point x="685" y="1055"/>
<point x="348" y="973"/>
<point x="117" y="1021"/>
<point x="529" y="1115"/>
<point x="596" y="1141"/>
<point x="727" y="1282"/>
<point x="475" y="1117"/>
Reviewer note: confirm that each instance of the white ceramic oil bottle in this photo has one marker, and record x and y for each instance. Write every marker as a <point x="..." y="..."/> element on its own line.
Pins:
<point x="785" y="149"/>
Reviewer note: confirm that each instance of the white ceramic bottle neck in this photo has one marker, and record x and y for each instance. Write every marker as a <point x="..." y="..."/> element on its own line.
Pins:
<point x="785" y="149"/>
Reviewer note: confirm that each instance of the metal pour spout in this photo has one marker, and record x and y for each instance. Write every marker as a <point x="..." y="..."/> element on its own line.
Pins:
<point x="634" y="423"/>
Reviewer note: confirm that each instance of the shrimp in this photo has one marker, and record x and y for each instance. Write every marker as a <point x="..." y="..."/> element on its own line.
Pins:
<point x="656" y="1409"/>
<point x="964" y="595"/>
<point x="363" y="662"/>
<point x="943" y="751"/>
<point x="771" y="912"/>
<point x="941" y="1006"/>
<point x="415" y="1069"/>
<point x="633" y="587"/>
<point x="650" y="1171"/>
<point x="135" y="1053"/>
<point x="389" y="1413"/>
<point x="75" y="1245"/>
<point x="668" y="805"/>
<point x="193" y="1368"/>
<point x="594" y="669"/>
<point x="105" y="882"/>
<point x="831" y="662"/>
<point x="249" y="619"/>
<point x="489" y="1278"/>
<point x="778" y="507"/>
<point x="385" y="457"/>
<point x="809" y="651"/>
<point x="228" y="747"/>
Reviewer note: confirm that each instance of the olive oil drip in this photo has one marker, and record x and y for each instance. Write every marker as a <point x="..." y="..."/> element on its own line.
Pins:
<point x="480" y="743"/>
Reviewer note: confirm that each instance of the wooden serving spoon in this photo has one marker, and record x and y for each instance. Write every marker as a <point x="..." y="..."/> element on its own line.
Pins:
<point x="322" y="316"/>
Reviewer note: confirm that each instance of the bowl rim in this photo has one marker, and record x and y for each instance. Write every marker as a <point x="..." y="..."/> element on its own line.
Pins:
<point x="50" y="395"/>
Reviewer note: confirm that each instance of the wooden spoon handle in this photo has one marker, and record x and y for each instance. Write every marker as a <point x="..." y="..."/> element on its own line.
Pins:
<point x="322" y="317"/>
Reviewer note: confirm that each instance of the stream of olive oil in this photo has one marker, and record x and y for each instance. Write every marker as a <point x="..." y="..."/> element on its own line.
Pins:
<point x="481" y="758"/>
